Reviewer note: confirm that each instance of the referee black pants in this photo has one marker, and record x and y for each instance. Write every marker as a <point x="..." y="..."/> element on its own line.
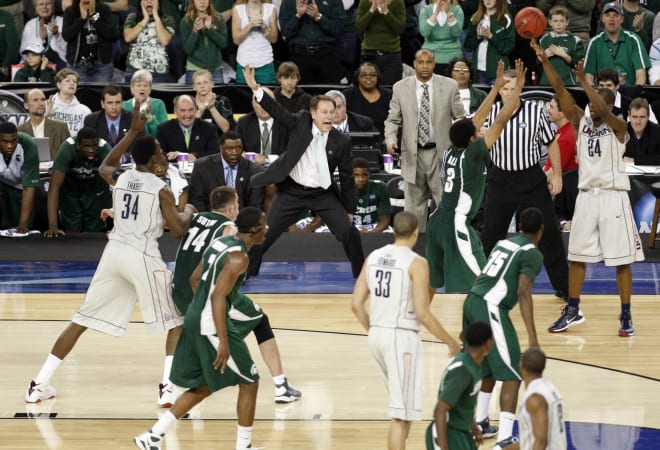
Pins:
<point x="505" y="193"/>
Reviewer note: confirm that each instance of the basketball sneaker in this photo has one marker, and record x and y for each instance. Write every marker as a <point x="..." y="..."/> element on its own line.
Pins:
<point x="167" y="395"/>
<point x="148" y="440"/>
<point x="504" y="443"/>
<point x="626" y="329"/>
<point x="38" y="392"/>
<point x="286" y="394"/>
<point x="487" y="430"/>
<point x="570" y="315"/>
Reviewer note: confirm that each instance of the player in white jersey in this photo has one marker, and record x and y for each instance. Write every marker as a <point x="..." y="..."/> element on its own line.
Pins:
<point x="397" y="279"/>
<point x="131" y="267"/>
<point x="603" y="227"/>
<point x="541" y="413"/>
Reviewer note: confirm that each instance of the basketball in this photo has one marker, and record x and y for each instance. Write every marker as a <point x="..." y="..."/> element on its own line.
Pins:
<point x="530" y="23"/>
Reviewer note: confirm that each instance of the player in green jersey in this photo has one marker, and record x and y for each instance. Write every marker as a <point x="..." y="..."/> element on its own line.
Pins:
<point x="246" y="315"/>
<point x="454" y="426"/>
<point x="210" y="354"/>
<point x="453" y="249"/>
<point x="505" y="281"/>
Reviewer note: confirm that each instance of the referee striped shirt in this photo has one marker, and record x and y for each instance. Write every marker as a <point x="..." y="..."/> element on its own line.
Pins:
<point x="519" y="145"/>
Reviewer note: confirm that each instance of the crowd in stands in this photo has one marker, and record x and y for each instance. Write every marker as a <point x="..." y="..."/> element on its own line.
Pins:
<point x="368" y="45"/>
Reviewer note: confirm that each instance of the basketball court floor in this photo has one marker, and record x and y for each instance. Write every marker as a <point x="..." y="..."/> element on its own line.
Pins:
<point x="106" y="388"/>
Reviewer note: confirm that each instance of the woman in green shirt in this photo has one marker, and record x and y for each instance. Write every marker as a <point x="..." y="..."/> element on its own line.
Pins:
<point x="141" y="89"/>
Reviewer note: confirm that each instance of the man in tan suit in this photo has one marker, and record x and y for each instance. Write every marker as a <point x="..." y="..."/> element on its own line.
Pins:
<point x="40" y="126"/>
<point x="424" y="107"/>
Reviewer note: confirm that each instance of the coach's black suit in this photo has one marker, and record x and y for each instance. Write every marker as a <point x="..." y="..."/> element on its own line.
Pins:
<point x="203" y="138"/>
<point x="98" y="121"/>
<point x="358" y="122"/>
<point x="209" y="173"/>
<point x="291" y="198"/>
<point x="249" y="129"/>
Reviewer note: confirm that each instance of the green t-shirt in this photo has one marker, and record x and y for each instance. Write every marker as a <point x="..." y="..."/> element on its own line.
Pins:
<point x="81" y="174"/>
<point x="459" y="388"/>
<point x="204" y="228"/>
<point x="22" y="172"/>
<point x="498" y="281"/>
<point x="465" y="175"/>
<point x="375" y="202"/>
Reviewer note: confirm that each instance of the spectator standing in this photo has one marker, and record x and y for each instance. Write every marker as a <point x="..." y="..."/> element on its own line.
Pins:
<point x="46" y="29"/>
<point x="441" y="23"/>
<point x="490" y="38"/>
<point x="141" y="82"/>
<point x="204" y="35"/>
<point x="617" y="49"/>
<point x="89" y="30"/>
<point x="368" y="97"/>
<point x="8" y="45"/>
<point x="15" y="9"/>
<point x="410" y="41"/>
<point x="422" y="108"/>
<point x="254" y="30"/>
<point x="212" y="108"/>
<point x="311" y="29"/>
<point x="637" y="19"/>
<point x="77" y="193"/>
<point x="380" y="22"/>
<point x="64" y="105"/>
<point x="38" y="125"/>
<point x="562" y="47"/>
<point x="579" y="15"/>
<point x="461" y="71"/>
<point x="289" y="94"/>
<point x="148" y="33"/>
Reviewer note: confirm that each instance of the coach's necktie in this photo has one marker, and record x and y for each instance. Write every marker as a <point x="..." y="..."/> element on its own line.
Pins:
<point x="229" y="177"/>
<point x="186" y="136"/>
<point x="265" y="140"/>
<point x="318" y="145"/>
<point x="424" y="129"/>
<point x="113" y="134"/>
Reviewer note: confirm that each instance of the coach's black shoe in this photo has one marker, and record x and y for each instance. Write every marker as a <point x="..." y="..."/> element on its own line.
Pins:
<point x="487" y="430"/>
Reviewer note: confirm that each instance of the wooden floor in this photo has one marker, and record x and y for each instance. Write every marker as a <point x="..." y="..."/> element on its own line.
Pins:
<point x="106" y="388"/>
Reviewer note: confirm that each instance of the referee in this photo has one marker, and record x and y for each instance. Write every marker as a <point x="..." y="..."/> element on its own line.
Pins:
<point x="516" y="180"/>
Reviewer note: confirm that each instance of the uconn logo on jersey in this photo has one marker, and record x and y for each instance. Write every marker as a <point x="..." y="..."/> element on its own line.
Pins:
<point x="595" y="132"/>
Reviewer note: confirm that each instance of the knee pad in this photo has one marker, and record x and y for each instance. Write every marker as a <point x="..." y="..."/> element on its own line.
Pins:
<point x="263" y="331"/>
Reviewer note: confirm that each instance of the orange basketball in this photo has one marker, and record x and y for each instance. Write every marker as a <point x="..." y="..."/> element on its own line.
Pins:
<point x="530" y="23"/>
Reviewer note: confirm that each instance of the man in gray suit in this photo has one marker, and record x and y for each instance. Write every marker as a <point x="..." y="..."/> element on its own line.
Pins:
<point x="38" y="125"/>
<point x="424" y="107"/>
